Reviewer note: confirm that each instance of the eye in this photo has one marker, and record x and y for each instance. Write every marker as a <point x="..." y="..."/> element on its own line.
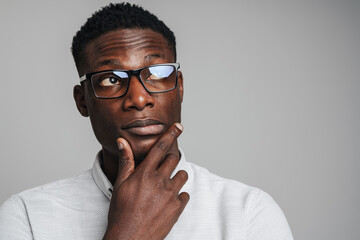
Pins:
<point x="155" y="77"/>
<point x="109" y="81"/>
<point x="157" y="73"/>
<point x="152" y="78"/>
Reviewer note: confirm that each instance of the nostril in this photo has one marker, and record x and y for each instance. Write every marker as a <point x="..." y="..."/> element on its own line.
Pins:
<point x="150" y="104"/>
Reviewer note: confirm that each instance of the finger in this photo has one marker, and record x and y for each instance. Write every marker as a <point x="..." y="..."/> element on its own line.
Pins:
<point x="126" y="162"/>
<point x="160" y="148"/>
<point x="168" y="165"/>
<point x="184" y="198"/>
<point x="179" y="180"/>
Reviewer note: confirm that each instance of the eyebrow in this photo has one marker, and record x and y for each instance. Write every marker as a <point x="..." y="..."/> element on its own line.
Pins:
<point x="148" y="58"/>
<point x="108" y="62"/>
<point x="116" y="62"/>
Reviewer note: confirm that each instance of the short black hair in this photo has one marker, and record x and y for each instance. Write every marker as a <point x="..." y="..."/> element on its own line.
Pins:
<point x="113" y="17"/>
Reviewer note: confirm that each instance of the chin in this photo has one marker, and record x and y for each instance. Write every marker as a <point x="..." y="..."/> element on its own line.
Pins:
<point x="141" y="149"/>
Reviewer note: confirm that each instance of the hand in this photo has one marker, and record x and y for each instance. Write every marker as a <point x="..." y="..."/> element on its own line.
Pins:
<point x="146" y="203"/>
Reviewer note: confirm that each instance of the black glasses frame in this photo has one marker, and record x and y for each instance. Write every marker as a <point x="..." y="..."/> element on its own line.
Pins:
<point x="135" y="72"/>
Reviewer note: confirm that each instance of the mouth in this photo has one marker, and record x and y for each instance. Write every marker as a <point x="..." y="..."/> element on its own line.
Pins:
<point x="145" y="127"/>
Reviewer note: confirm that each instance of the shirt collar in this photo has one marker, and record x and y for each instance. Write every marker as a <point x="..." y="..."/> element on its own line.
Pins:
<point x="100" y="178"/>
<point x="105" y="185"/>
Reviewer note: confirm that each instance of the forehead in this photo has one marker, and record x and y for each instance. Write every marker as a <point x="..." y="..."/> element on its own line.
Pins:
<point x="127" y="48"/>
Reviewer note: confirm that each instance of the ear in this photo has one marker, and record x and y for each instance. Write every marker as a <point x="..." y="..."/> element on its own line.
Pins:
<point x="79" y="97"/>
<point x="181" y="84"/>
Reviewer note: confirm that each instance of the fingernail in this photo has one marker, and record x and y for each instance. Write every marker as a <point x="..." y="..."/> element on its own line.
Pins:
<point x="120" y="145"/>
<point x="179" y="126"/>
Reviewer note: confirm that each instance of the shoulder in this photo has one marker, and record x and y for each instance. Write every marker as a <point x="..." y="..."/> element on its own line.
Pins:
<point x="64" y="202"/>
<point x="242" y="204"/>
<point x="62" y="187"/>
<point x="211" y="189"/>
<point x="16" y="211"/>
<point x="202" y="178"/>
<point x="45" y="197"/>
<point x="70" y="191"/>
<point x="14" y="221"/>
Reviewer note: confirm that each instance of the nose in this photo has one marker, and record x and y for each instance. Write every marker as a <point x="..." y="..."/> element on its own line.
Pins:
<point x="137" y="98"/>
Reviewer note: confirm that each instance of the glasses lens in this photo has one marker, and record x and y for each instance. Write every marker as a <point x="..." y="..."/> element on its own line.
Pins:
<point x="110" y="84"/>
<point x="159" y="78"/>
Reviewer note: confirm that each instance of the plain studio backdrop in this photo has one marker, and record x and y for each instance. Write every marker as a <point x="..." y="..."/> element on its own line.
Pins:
<point x="272" y="99"/>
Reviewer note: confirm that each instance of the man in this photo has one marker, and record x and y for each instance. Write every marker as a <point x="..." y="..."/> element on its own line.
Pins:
<point x="140" y="185"/>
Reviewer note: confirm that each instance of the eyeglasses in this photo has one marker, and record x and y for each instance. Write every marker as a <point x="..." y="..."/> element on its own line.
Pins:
<point x="156" y="78"/>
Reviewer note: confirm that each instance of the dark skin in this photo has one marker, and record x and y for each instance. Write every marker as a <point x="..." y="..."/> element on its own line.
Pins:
<point x="145" y="203"/>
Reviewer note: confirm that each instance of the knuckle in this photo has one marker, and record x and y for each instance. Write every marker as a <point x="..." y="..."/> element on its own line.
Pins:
<point x="146" y="173"/>
<point x="178" y="204"/>
<point x="161" y="182"/>
<point x="162" y="145"/>
<point x="169" y="186"/>
<point x="172" y="158"/>
<point x="124" y="162"/>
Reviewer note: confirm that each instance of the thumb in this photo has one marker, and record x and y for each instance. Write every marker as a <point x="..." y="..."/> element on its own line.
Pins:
<point x="126" y="162"/>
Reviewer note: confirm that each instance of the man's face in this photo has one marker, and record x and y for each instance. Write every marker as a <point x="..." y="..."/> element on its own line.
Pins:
<point x="124" y="117"/>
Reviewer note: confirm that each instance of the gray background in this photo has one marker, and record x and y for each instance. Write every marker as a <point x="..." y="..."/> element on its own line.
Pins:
<point x="271" y="99"/>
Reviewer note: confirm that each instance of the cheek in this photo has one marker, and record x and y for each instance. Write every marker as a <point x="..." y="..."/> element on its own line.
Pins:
<point x="105" y="114"/>
<point x="171" y="107"/>
<point x="100" y="109"/>
<point x="103" y="120"/>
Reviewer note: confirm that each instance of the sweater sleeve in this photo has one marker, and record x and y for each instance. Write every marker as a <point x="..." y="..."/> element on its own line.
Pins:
<point x="14" y="221"/>
<point x="266" y="221"/>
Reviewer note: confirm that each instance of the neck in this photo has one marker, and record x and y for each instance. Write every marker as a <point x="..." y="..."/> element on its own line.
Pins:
<point x="109" y="165"/>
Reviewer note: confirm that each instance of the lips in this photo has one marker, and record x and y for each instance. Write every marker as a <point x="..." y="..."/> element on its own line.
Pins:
<point x="145" y="127"/>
